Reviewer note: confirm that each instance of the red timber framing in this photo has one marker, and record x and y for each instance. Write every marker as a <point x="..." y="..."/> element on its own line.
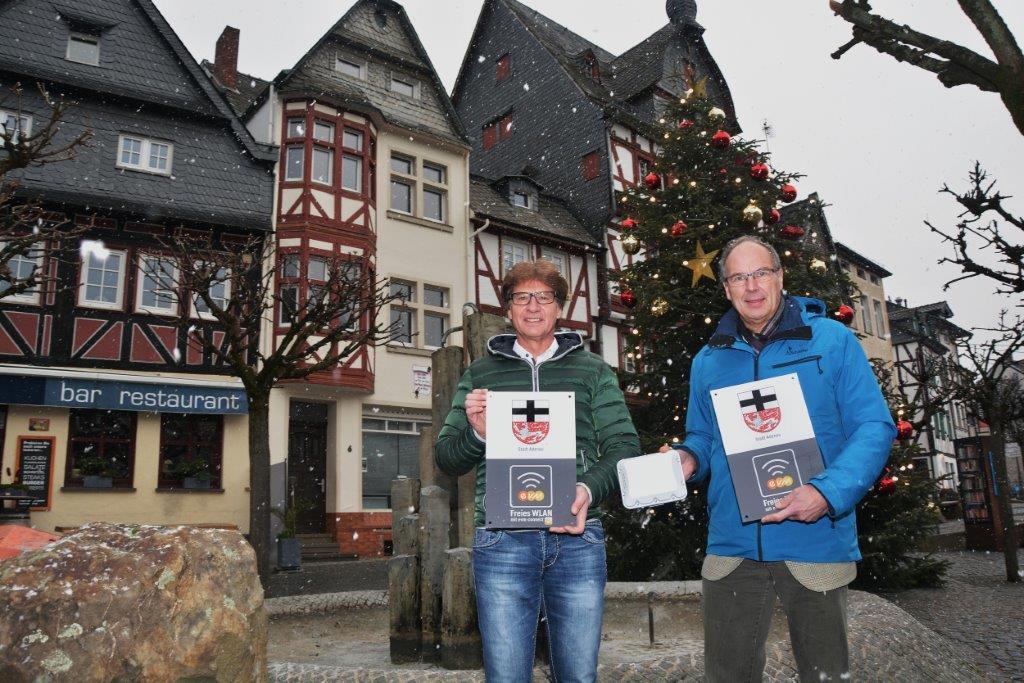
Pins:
<point x="328" y="220"/>
<point x="336" y="204"/>
<point x="487" y="274"/>
<point x="637" y="158"/>
<point x="64" y="329"/>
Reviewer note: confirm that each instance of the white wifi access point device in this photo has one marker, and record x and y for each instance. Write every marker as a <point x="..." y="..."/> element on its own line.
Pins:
<point x="652" y="479"/>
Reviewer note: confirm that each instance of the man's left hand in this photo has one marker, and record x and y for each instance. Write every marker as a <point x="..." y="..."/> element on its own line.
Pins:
<point x="805" y="504"/>
<point x="580" y="506"/>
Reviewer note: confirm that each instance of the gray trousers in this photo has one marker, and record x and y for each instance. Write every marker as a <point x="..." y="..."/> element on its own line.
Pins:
<point x="737" y="614"/>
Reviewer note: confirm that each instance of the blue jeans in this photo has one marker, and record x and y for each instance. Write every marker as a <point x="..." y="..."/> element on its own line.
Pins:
<point x="518" y="574"/>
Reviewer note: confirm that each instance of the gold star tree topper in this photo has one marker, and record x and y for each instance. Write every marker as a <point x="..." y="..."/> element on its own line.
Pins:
<point x="701" y="265"/>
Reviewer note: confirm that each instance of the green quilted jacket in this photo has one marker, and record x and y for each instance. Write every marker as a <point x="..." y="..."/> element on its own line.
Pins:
<point x="604" y="430"/>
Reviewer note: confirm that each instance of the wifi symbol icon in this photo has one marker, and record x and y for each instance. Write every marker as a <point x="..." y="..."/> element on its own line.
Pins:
<point x="775" y="467"/>
<point x="531" y="480"/>
<point x="530" y="486"/>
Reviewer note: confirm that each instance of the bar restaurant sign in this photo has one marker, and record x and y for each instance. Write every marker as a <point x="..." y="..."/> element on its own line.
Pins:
<point x="66" y="392"/>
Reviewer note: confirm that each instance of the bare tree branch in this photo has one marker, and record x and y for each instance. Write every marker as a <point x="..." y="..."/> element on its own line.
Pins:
<point x="952" y="63"/>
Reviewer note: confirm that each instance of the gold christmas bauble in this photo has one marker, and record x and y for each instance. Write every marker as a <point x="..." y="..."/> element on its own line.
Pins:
<point x="753" y="214"/>
<point x="716" y="113"/>
<point x="630" y="244"/>
<point x="659" y="307"/>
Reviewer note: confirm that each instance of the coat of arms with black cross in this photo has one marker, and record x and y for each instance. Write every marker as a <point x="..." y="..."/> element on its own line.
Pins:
<point x="760" y="409"/>
<point x="530" y="421"/>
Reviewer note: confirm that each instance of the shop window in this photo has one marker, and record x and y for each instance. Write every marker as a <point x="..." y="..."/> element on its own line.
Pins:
<point x="101" y="448"/>
<point x="191" y="451"/>
<point x="390" y="451"/>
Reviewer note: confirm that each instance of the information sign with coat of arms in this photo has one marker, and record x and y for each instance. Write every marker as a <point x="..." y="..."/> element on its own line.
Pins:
<point x="531" y="459"/>
<point x="768" y="440"/>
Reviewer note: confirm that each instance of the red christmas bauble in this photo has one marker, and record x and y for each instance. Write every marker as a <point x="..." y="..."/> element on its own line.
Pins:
<point x="772" y="217"/>
<point x="788" y="193"/>
<point x="628" y="298"/>
<point x="685" y="124"/>
<point x="904" y="430"/>
<point x="678" y="228"/>
<point x="721" y="139"/>
<point x="652" y="180"/>
<point x="759" y="171"/>
<point x="844" y="314"/>
<point x="628" y="224"/>
<point x="886" y="485"/>
<point x="792" y="232"/>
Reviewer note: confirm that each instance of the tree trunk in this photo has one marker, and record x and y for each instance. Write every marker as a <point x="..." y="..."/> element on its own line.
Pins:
<point x="259" y="483"/>
<point x="1008" y="530"/>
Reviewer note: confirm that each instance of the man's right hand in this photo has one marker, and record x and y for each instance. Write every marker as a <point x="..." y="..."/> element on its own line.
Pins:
<point x="476" y="410"/>
<point x="686" y="459"/>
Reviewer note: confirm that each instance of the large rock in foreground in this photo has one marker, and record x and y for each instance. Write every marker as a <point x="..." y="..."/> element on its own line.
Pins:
<point x="139" y="603"/>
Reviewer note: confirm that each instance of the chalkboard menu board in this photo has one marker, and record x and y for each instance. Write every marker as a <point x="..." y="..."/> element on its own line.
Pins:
<point x="35" y="465"/>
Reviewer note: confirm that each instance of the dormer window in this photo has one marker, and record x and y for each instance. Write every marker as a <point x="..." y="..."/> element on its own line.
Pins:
<point x="404" y="86"/>
<point x="142" y="154"/>
<point x="521" y="199"/>
<point x="84" y="48"/>
<point x="350" y="67"/>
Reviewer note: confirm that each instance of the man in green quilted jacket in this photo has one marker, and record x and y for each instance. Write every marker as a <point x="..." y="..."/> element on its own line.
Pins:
<point x="559" y="571"/>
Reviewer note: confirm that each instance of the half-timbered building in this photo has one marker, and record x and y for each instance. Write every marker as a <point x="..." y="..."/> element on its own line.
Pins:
<point x="108" y="412"/>
<point x="373" y="164"/>
<point x="538" y="100"/>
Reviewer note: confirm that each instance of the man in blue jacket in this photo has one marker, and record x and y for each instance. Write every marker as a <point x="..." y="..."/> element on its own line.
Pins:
<point x="806" y="552"/>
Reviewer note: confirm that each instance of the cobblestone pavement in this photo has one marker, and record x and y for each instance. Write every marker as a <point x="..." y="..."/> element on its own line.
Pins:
<point x="976" y="609"/>
<point x="886" y="644"/>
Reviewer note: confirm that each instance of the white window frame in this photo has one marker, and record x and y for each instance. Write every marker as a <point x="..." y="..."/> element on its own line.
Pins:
<point x="879" y="317"/>
<point x="409" y="180"/>
<point x="419" y="309"/>
<point x="516" y="193"/>
<point x="866" y="313"/>
<point x="404" y="80"/>
<point x="144" y="155"/>
<point x="433" y="186"/>
<point x="83" y="280"/>
<point x="207" y="315"/>
<point x="22" y="122"/>
<point x="329" y="151"/>
<point x="349" y="59"/>
<point x="30" y="296"/>
<point x="83" y="37"/>
<point x="506" y="244"/>
<point x="563" y="257"/>
<point x="141" y="279"/>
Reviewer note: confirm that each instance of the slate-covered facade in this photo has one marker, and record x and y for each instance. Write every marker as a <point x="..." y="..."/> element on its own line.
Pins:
<point x="542" y="102"/>
<point x="99" y="369"/>
<point x="372" y="163"/>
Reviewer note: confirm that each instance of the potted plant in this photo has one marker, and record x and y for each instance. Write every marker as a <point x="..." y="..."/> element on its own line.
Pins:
<point x="194" y="474"/>
<point x="97" y="472"/>
<point x="289" y="549"/>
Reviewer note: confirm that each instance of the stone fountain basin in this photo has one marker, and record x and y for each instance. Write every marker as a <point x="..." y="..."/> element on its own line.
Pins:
<point x="344" y="636"/>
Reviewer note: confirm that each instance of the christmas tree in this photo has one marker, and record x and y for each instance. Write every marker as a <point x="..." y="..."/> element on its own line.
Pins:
<point x="708" y="187"/>
<point x="899" y="511"/>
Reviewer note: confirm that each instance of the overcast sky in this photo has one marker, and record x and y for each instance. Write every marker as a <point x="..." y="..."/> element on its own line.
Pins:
<point x="876" y="139"/>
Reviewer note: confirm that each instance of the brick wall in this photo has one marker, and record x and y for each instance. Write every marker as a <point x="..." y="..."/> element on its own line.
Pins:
<point x="362" y="533"/>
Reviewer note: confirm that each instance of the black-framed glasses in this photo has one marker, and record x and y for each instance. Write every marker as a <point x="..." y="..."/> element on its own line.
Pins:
<point x="523" y="298"/>
<point x="737" y="279"/>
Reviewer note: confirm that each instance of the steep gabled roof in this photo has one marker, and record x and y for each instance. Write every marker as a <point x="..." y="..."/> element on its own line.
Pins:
<point x="551" y="218"/>
<point x="809" y="214"/>
<point x="417" y="61"/>
<point x="623" y="78"/>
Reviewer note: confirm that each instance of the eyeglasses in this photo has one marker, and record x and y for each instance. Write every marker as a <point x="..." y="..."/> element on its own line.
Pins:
<point x="737" y="279"/>
<point x="523" y="298"/>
